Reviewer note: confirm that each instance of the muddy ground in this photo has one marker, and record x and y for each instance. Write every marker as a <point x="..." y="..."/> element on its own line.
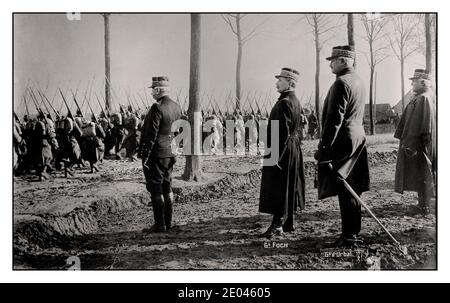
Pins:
<point x="98" y="219"/>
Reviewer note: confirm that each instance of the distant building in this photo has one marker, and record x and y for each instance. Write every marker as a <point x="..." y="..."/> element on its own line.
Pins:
<point x="398" y="108"/>
<point x="383" y="113"/>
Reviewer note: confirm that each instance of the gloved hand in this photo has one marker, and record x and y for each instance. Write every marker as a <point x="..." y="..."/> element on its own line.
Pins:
<point x="321" y="155"/>
<point x="317" y="155"/>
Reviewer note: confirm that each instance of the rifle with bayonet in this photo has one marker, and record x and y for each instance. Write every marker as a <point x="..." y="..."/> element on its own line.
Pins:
<point x="33" y="98"/>
<point x="88" y="88"/>
<point x="128" y="93"/>
<point x="250" y="104"/>
<point x="17" y="118"/>
<point x="257" y="105"/>
<point x="76" y="103"/>
<point x="99" y="103"/>
<point x="92" y="112"/>
<point x="69" y="113"/>
<point x="26" y="106"/>
<point x="45" y="105"/>
<point x="142" y="101"/>
<point x="44" y="98"/>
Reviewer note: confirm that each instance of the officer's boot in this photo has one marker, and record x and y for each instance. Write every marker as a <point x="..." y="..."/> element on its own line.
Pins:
<point x="158" y="214"/>
<point x="168" y="209"/>
<point x="424" y="202"/>
<point x="288" y="225"/>
<point x="275" y="229"/>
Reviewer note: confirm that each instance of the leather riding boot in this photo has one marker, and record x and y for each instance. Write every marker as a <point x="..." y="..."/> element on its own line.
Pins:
<point x="424" y="202"/>
<point x="158" y="214"/>
<point x="275" y="229"/>
<point x="168" y="209"/>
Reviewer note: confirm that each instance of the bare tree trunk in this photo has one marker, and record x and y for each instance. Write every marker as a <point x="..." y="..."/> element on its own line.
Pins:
<point x="371" y="105"/>
<point x="238" y="63"/>
<point x="317" y="92"/>
<point x="402" y="77"/>
<point x="317" y="77"/>
<point x="192" y="170"/>
<point x="107" y="64"/>
<point x="372" y="68"/>
<point x="433" y="65"/>
<point x="350" y="33"/>
<point x="428" y="56"/>
<point x="375" y="98"/>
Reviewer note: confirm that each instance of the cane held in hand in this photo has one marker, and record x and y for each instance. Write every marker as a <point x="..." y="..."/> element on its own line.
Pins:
<point x="402" y="248"/>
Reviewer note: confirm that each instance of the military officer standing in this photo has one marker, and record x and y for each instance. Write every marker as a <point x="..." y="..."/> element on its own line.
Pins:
<point x="416" y="161"/>
<point x="283" y="184"/>
<point x="156" y="153"/>
<point x="342" y="143"/>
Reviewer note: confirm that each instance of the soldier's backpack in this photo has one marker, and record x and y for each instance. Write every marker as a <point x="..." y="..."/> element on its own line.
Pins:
<point x="132" y="122"/>
<point x="116" y="119"/>
<point x="88" y="129"/>
<point x="68" y="125"/>
<point x="39" y="129"/>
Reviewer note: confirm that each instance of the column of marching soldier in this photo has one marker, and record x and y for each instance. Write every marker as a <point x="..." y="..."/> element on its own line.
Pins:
<point x="43" y="144"/>
<point x="342" y="158"/>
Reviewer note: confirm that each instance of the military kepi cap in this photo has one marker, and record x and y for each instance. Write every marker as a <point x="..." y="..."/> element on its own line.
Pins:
<point x="421" y="74"/>
<point x="346" y="51"/>
<point x="289" y="73"/>
<point x="159" y="81"/>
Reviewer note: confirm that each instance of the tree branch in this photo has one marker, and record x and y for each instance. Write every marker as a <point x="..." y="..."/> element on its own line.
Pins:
<point x="228" y="21"/>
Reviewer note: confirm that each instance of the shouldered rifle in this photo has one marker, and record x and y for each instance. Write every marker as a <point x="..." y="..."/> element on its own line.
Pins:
<point x="92" y="112"/>
<point x="26" y="106"/>
<point x="33" y="98"/>
<point x="45" y="104"/>
<point x="257" y="105"/>
<point x="250" y="103"/>
<point x="76" y="103"/>
<point x="128" y="93"/>
<point x="17" y="118"/>
<point x="69" y="113"/>
<point x="142" y="100"/>
<point x="88" y="88"/>
<point x="99" y="103"/>
<point x="50" y="103"/>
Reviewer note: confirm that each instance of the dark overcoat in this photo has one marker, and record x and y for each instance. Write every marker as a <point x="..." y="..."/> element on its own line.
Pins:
<point x="156" y="135"/>
<point x="343" y="137"/>
<point x="283" y="186"/>
<point x="416" y="159"/>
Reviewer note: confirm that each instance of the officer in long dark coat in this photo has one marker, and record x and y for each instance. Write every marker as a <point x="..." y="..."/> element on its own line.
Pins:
<point x="343" y="143"/>
<point x="156" y="153"/>
<point x="283" y="182"/>
<point x="416" y="160"/>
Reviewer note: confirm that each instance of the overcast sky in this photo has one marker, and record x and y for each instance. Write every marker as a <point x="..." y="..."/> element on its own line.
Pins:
<point x="50" y="50"/>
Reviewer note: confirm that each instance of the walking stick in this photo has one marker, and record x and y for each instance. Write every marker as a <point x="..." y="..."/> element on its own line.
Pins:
<point x="402" y="248"/>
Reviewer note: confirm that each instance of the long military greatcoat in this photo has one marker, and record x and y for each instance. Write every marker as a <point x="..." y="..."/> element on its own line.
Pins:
<point x="283" y="186"/>
<point x="416" y="159"/>
<point x="343" y="138"/>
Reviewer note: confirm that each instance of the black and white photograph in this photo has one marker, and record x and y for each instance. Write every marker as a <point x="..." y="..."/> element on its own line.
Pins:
<point x="300" y="141"/>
